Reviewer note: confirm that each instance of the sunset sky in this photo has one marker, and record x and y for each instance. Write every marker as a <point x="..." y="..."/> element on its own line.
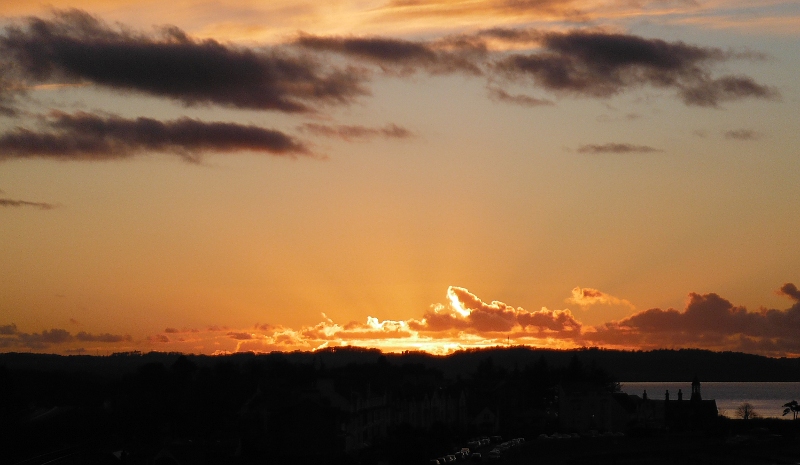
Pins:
<point x="211" y="177"/>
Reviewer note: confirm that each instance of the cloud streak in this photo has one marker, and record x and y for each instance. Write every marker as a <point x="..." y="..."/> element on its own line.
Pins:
<point x="85" y="136"/>
<point x="356" y="132"/>
<point x="500" y="95"/>
<point x="403" y="56"/>
<point x="742" y="134"/>
<point x="24" y="203"/>
<point x="541" y="9"/>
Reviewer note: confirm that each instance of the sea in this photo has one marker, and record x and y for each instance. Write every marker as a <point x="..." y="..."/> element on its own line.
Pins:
<point x="767" y="399"/>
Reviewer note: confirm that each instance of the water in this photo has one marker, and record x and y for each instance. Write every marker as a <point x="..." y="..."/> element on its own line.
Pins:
<point x="767" y="399"/>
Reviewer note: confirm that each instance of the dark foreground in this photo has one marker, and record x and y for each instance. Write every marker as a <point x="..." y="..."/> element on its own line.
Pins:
<point x="744" y="443"/>
<point x="748" y="449"/>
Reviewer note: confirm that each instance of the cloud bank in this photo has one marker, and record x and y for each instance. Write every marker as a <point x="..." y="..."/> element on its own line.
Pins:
<point x="465" y="321"/>
<point x="708" y="321"/>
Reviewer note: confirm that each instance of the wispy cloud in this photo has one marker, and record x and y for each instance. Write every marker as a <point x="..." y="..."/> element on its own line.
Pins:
<point x="540" y="9"/>
<point x="402" y="56"/>
<point x="587" y="296"/>
<point x="500" y="95"/>
<point x="615" y="147"/>
<point x="356" y="132"/>
<point x="742" y="134"/>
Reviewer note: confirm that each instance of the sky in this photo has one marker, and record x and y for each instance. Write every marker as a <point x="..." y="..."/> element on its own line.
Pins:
<point x="212" y="177"/>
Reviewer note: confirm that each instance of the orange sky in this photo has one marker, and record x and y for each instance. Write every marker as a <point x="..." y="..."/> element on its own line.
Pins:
<point x="203" y="177"/>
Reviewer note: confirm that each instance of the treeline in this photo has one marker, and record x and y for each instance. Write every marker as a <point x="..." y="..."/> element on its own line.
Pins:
<point x="633" y="366"/>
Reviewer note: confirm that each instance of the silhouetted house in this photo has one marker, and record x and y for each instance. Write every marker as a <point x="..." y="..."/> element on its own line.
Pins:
<point x="694" y="414"/>
<point x="423" y="410"/>
<point x="583" y="408"/>
<point x="365" y="416"/>
<point x="296" y="424"/>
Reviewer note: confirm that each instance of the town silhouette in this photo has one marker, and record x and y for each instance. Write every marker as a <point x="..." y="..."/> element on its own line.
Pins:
<point x="350" y="405"/>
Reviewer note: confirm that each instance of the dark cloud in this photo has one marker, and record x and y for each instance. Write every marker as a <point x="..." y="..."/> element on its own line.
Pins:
<point x="788" y="289"/>
<point x="350" y="133"/>
<point x="7" y="330"/>
<point x="44" y="339"/>
<point x="523" y="36"/>
<point x="240" y="336"/>
<point x="617" y="148"/>
<point x="92" y="137"/>
<point x="600" y="64"/>
<point x="500" y="95"/>
<point x="55" y="336"/>
<point x="25" y="203"/>
<point x="742" y="134"/>
<point x="158" y="338"/>
<point x="403" y="55"/>
<point x="709" y="92"/>
<point x="76" y="47"/>
<point x="105" y="337"/>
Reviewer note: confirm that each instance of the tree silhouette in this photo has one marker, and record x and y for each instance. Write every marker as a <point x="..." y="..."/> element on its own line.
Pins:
<point x="791" y="407"/>
<point x="746" y="411"/>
